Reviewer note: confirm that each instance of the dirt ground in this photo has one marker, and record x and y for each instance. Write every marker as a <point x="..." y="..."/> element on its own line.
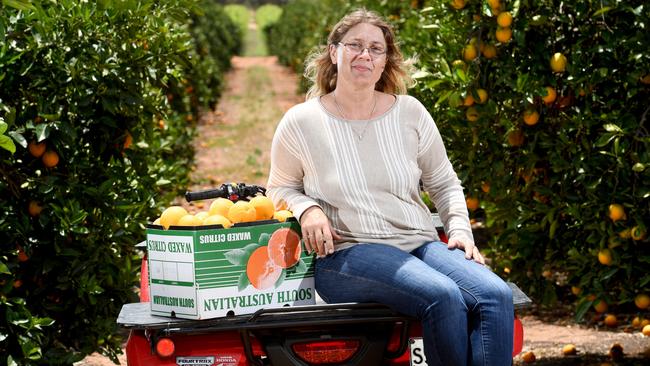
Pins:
<point x="233" y="145"/>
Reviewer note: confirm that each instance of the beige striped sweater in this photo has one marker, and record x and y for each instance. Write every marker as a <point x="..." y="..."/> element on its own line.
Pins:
<point x="365" y="174"/>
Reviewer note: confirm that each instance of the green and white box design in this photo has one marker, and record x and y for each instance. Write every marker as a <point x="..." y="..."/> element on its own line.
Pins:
<point x="202" y="274"/>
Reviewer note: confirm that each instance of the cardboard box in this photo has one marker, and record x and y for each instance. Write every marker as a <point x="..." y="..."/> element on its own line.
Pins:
<point x="214" y="272"/>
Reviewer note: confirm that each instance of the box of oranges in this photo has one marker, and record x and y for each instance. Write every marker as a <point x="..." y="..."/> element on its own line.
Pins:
<point x="229" y="260"/>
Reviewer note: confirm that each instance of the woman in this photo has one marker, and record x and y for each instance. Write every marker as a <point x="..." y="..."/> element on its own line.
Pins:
<point x="348" y="163"/>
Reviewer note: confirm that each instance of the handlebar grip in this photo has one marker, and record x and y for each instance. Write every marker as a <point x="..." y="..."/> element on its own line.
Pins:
<point x="202" y="195"/>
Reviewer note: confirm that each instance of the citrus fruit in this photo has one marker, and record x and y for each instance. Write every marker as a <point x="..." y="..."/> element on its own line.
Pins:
<point x="261" y="271"/>
<point x="494" y="3"/>
<point x="217" y="220"/>
<point x="531" y="117"/>
<point x="503" y="35"/>
<point x="36" y="148"/>
<point x="472" y="203"/>
<point x="550" y="96"/>
<point x="458" y="4"/>
<point x="189" y="220"/>
<point x="644" y="322"/>
<point x="459" y="64"/>
<point x="34" y="208"/>
<point x="128" y="140"/>
<point x="646" y="330"/>
<point x="637" y="233"/>
<point x="645" y="79"/>
<point x="610" y="320"/>
<point x="263" y="207"/>
<point x="616" y="212"/>
<point x="504" y="19"/>
<point x="241" y="211"/>
<point x="220" y="206"/>
<point x="171" y="215"/>
<point x="636" y="322"/>
<point x="605" y="257"/>
<point x="284" y="247"/>
<point x="516" y="138"/>
<point x="22" y="256"/>
<point x="50" y="158"/>
<point x="528" y="357"/>
<point x="569" y="349"/>
<point x="471" y="114"/>
<point x="642" y="301"/>
<point x="482" y="96"/>
<point x="600" y="306"/>
<point x="202" y="215"/>
<point x="576" y="290"/>
<point x="282" y="215"/>
<point x="489" y="51"/>
<point x="485" y="187"/>
<point x="558" y="62"/>
<point x="469" y="100"/>
<point x="469" y="52"/>
<point x="156" y="221"/>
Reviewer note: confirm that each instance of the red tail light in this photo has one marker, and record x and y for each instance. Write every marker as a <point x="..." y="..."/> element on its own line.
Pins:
<point x="165" y="347"/>
<point x="326" y="352"/>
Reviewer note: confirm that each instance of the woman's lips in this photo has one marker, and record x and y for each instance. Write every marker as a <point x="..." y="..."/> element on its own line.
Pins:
<point x="361" y="68"/>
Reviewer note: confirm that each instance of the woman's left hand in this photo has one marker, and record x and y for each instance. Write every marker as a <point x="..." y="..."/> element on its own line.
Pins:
<point x="471" y="251"/>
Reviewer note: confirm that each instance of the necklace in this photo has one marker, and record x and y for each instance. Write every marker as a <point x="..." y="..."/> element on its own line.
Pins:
<point x="365" y="126"/>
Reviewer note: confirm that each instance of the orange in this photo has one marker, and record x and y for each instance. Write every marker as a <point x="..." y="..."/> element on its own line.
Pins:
<point x="576" y="290"/>
<point x="636" y="322"/>
<point x="202" y="215"/>
<point x="569" y="350"/>
<point x="605" y="257"/>
<point x="263" y="207"/>
<point x="485" y="187"/>
<point x="610" y="320"/>
<point x="22" y="256"/>
<point x="128" y="140"/>
<point x="482" y="96"/>
<point x="171" y="215"/>
<point x="642" y="301"/>
<point x="528" y="357"/>
<point x="494" y="3"/>
<point x="469" y="100"/>
<point x="503" y="35"/>
<point x="469" y="52"/>
<point x="471" y="114"/>
<point x="531" y="117"/>
<point x="284" y="247"/>
<point x="282" y="215"/>
<point x="220" y="206"/>
<point x="217" y="220"/>
<point x="241" y="211"/>
<point x="646" y="330"/>
<point x="50" y="158"/>
<point x="472" y="203"/>
<point x="616" y="212"/>
<point x="156" y="221"/>
<point x="459" y="64"/>
<point x="458" y="4"/>
<point x="34" y="208"/>
<point x="645" y="79"/>
<point x="558" y="62"/>
<point x="37" y="148"/>
<point x="645" y="322"/>
<point x="504" y="19"/>
<point x="516" y="138"/>
<point x="637" y="233"/>
<point x="489" y="51"/>
<point x="550" y="96"/>
<point x="261" y="271"/>
<point x="600" y="306"/>
<point x="189" y="220"/>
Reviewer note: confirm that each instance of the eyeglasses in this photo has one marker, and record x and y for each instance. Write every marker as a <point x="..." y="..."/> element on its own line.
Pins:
<point x="356" y="48"/>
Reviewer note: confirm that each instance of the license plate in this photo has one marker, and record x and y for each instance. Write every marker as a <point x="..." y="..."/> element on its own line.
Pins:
<point x="417" y="358"/>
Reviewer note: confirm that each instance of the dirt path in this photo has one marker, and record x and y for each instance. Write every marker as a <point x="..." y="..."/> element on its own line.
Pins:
<point x="233" y="145"/>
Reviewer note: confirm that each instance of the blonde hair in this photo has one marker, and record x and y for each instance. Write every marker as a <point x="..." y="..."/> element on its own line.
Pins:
<point x="322" y="73"/>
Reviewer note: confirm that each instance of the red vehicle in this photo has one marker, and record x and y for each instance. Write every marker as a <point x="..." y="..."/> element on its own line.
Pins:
<point x="351" y="334"/>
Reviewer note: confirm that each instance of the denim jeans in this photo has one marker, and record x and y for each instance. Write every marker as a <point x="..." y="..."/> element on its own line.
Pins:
<point x="466" y="310"/>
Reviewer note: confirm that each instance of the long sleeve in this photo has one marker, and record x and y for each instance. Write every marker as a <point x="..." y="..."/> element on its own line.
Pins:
<point x="285" y="184"/>
<point x="440" y="179"/>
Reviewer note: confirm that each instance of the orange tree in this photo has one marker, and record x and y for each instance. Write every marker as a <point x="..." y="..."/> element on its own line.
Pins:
<point x="543" y="107"/>
<point x="90" y="148"/>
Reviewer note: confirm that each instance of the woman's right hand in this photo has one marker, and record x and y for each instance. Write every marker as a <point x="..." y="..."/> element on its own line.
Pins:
<point x="317" y="232"/>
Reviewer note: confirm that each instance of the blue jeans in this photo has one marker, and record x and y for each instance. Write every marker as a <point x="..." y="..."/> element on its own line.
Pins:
<point x="466" y="310"/>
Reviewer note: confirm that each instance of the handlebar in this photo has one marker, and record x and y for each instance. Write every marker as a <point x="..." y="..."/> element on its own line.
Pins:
<point x="231" y="191"/>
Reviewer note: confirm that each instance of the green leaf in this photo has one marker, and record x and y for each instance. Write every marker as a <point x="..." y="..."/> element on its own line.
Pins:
<point x="638" y="167"/>
<point x="18" y="137"/>
<point x="264" y="239"/>
<point x="602" y="11"/>
<point x="4" y="268"/>
<point x="19" y="4"/>
<point x="42" y="132"/>
<point x="421" y="74"/>
<point x="7" y="143"/>
<point x="604" y="139"/>
<point x="582" y="309"/>
<point x="301" y="266"/>
<point x="280" y="280"/>
<point x="236" y="257"/>
<point x="610" y="127"/>
<point x="243" y="282"/>
<point x="3" y="127"/>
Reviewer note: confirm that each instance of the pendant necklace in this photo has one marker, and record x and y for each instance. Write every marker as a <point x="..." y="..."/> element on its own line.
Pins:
<point x="365" y="126"/>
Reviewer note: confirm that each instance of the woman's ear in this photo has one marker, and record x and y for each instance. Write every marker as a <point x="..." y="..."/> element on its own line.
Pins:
<point x="333" y="50"/>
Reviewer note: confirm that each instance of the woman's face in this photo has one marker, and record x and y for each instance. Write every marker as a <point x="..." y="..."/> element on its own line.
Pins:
<point x="360" y="56"/>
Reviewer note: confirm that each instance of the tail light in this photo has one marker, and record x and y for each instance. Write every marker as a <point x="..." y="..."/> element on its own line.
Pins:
<point x="165" y="347"/>
<point x="326" y="352"/>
